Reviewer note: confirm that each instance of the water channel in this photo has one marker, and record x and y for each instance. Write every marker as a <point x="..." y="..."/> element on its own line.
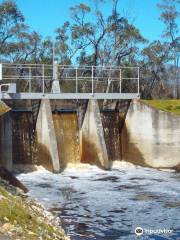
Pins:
<point x="109" y="205"/>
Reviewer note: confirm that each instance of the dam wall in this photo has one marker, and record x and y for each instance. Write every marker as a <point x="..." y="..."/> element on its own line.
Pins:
<point x="82" y="134"/>
<point x="151" y="137"/>
<point x="111" y="122"/>
<point x="6" y="142"/>
<point x="142" y="135"/>
<point x="93" y="144"/>
<point x="47" y="147"/>
<point x="23" y="136"/>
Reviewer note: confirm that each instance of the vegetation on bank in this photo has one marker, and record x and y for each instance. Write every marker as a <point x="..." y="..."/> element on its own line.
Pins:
<point x="170" y="105"/>
<point x="21" y="218"/>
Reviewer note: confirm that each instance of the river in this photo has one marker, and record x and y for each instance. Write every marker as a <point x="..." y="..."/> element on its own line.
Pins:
<point x="109" y="205"/>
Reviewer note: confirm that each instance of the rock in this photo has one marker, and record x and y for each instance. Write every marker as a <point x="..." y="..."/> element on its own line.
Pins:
<point x="6" y="219"/>
<point x="6" y="227"/>
<point x="2" y="197"/>
<point x="9" y="177"/>
<point x="4" y="237"/>
<point x="31" y="233"/>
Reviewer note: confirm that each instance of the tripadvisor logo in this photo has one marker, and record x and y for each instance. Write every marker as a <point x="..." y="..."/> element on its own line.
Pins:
<point x="138" y="231"/>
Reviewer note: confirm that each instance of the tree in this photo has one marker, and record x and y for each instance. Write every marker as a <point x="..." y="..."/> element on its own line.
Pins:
<point x="100" y="41"/>
<point x="86" y="33"/>
<point x="155" y="58"/>
<point x="123" y="38"/>
<point x="90" y="38"/>
<point x="11" y="26"/>
<point x="17" y="43"/>
<point x="169" y="16"/>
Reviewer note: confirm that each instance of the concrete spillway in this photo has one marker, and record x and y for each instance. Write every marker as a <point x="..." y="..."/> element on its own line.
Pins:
<point x="85" y="135"/>
<point x="67" y="135"/>
<point x="144" y="136"/>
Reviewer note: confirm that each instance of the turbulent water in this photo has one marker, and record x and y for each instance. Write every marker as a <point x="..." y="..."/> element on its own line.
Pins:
<point x="109" y="205"/>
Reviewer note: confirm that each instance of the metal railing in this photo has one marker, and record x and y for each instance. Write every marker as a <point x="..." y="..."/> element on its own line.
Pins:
<point x="39" y="78"/>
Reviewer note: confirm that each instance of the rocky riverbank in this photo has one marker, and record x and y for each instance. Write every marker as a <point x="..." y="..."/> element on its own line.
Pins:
<point x="22" y="218"/>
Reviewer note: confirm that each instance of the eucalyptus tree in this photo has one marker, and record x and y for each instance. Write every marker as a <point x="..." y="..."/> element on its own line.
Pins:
<point x="11" y="27"/>
<point x="98" y="39"/>
<point x="169" y="16"/>
<point x="92" y="37"/>
<point x="154" y="65"/>
<point x="17" y="42"/>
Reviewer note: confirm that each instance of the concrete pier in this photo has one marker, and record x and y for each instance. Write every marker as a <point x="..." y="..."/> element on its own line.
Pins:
<point x="6" y="141"/>
<point x="46" y="137"/>
<point x="93" y="145"/>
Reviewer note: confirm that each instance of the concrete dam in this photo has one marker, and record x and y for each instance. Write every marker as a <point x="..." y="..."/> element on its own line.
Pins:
<point x="67" y="114"/>
<point x="62" y="133"/>
<point x="56" y="133"/>
<point x="79" y="123"/>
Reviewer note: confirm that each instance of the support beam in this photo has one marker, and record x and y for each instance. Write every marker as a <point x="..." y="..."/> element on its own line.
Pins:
<point x="93" y="146"/>
<point x="81" y="111"/>
<point x="55" y="87"/>
<point x="46" y="137"/>
<point x="67" y="96"/>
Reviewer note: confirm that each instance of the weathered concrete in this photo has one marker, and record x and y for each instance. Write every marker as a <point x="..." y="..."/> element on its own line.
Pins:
<point x="93" y="145"/>
<point x="111" y="129"/>
<point x="46" y="137"/>
<point x="24" y="144"/>
<point x="55" y="87"/>
<point x="151" y="137"/>
<point x="6" y="141"/>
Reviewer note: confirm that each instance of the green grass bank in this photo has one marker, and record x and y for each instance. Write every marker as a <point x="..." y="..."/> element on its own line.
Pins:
<point x="22" y="218"/>
<point x="172" y="106"/>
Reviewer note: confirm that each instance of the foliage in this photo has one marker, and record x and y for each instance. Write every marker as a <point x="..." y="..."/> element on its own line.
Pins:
<point x="90" y="37"/>
<point x="17" y="42"/>
<point x="23" y="219"/>
<point x="102" y="41"/>
<point x="169" y="16"/>
<point x="155" y="58"/>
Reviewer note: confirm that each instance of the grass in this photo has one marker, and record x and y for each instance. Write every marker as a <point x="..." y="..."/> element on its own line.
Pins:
<point x="25" y="221"/>
<point x="172" y="106"/>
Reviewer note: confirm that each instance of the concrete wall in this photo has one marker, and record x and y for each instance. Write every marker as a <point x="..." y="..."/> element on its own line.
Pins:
<point x="6" y="141"/>
<point x="111" y="129"/>
<point x="93" y="145"/>
<point x="151" y="137"/>
<point x="24" y="144"/>
<point x="46" y="138"/>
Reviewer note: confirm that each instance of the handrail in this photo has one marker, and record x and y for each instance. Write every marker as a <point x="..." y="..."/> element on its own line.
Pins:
<point x="72" y="66"/>
<point x="71" y="79"/>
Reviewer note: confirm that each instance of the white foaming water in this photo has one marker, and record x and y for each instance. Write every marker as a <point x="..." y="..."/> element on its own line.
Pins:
<point x="108" y="205"/>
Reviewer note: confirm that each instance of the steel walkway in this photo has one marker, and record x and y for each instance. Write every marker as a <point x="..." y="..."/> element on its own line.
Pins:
<point x="40" y="81"/>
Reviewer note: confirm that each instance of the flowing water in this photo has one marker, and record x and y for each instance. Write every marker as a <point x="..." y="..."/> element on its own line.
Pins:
<point x="109" y="205"/>
<point x="66" y="128"/>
